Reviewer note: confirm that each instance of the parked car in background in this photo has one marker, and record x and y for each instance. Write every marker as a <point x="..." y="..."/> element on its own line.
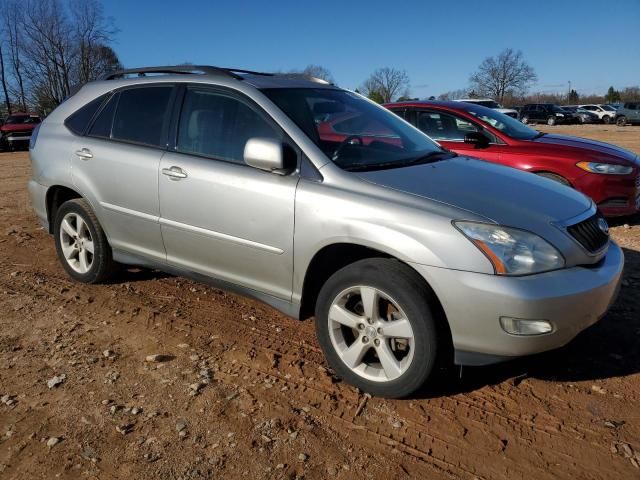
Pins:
<point x="581" y="115"/>
<point x="616" y="105"/>
<point x="605" y="113"/>
<point x="628" y="113"/>
<point x="489" y="103"/>
<point x="15" y="132"/>
<point x="548" y="113"/>
<point x="610" y="175"/>
<point x="408" y="256"/>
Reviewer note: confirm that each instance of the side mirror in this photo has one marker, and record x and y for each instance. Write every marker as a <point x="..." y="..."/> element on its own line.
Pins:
<point x="477" y="138"/>
<point x="266" y="154"/>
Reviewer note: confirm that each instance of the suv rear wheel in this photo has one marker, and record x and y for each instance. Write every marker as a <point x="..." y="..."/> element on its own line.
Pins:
<point x="81" y="244"/>
<point x="376" y="327"/>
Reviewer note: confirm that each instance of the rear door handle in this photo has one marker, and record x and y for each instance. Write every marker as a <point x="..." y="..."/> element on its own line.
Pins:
<point x="84" y="153"/>
<point x="174" y="173"/>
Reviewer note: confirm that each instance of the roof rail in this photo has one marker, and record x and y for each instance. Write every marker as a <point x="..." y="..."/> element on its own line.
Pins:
<point x="202" y="69"/>
<point x="180" y="69"/>
<point x="177" y="69"/>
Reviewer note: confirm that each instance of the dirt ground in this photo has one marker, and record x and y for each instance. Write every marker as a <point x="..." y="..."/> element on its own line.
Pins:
<point x="242" y="391"/>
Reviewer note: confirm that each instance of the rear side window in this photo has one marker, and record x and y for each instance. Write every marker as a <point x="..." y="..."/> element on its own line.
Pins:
<point x="78" y="121"/>
<point x="141" y="115"/>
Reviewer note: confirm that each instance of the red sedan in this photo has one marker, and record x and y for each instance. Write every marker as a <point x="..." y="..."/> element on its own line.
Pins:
<point x="610" y="175"/>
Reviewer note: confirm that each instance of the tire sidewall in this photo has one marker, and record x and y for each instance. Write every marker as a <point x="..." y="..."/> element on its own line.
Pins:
<point x="101" y="257"/>
<point x="407" y="294"/>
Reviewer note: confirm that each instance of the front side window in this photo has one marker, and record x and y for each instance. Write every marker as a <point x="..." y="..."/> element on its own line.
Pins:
<point x="141" y="115"/>
<point x="217" y="125"/>
<point x="353" y="132"/>
<point x="506" y="124"/>
<point x="442" y="126"/>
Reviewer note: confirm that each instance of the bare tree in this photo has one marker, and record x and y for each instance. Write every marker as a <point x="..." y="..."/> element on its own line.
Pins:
<point x="385" y="84"/>
<point x="91" y="35"/>
<point x="318" y="71"/>
<point x="4" y="82"/>
<point x="12" y="19"/>
<point x="62" y="44"/>
<point x="507" y="72"/>
<point x="454" y="94"/>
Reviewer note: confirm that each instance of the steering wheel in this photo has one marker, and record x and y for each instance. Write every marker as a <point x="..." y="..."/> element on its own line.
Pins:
<point x="350" y="140"/>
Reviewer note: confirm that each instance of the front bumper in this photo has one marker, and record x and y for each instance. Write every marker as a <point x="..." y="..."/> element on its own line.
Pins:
<point x="615" y="195"/>
<point x="571" y="299"/>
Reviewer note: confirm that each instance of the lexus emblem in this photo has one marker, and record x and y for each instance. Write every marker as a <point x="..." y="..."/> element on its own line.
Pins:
<point x="603" y="226"/>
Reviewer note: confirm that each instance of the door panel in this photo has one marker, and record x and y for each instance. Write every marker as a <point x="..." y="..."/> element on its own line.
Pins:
<point x="121" y="182"/>
<point x="220" y="217"/>
<point x="229" y="221"/>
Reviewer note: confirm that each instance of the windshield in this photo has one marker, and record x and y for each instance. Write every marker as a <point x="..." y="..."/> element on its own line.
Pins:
<point x="353" y="132"/>
<point x="557" y="109"/>
<point x="15" y="119"/>
<point x="609" y="108"/>
<point x="509" y="126"/>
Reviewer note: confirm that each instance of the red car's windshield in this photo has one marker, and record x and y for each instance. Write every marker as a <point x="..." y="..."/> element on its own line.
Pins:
<point x="17" y="119"/>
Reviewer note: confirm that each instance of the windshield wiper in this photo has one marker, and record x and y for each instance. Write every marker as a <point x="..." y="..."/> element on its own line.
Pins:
<point x="540" y="134"/>
<point x="428" y="158"/>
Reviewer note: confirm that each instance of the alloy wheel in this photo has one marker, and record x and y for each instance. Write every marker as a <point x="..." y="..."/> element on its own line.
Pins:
<point x="371" y="334"/>
<point x="76" y="242"/>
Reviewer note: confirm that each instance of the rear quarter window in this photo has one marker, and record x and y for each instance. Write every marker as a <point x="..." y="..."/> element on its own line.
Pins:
<point x="78" y="121"/>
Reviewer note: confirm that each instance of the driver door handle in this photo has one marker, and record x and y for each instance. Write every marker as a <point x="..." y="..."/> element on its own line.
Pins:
<point x="84" y="153"/>
<point x="174" y="173"/>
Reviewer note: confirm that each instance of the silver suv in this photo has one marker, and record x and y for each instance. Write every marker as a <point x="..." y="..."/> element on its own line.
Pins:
<point x="321" y="203"/>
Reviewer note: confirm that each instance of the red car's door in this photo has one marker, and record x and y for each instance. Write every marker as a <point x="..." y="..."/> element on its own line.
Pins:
<point x="449" y="130"/>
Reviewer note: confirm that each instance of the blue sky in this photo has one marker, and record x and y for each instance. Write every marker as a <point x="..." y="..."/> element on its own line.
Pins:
<point x="591" y="43"/>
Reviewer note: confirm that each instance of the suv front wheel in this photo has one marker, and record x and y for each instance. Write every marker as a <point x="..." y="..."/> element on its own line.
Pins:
<point x="376" y="327"/>
<point x="81" y="244"/>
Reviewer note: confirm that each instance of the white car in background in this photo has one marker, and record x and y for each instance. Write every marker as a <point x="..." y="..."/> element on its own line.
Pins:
<point x="606" y="113"/>
<point x="487" y="102"/>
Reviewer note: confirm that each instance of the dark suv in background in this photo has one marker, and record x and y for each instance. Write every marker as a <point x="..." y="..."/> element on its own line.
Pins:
<point x="545" y="113"/>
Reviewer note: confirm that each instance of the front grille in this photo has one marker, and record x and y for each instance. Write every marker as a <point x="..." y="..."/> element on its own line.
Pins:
<point x="614" y="203"/>
<point x="589" y="234"/>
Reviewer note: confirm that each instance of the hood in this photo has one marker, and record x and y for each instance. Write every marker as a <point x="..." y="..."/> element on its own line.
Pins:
<point x="505" y="195"/>
<point x="592" y="147"/>
<point x="18" y="127"/>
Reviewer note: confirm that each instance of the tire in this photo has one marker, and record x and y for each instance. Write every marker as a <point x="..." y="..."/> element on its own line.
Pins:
<point x="606" y="119"/>
<point x="551" y="121"/>
<point x="401" y="292"/>
<point x="77" y="216"/>
<point x="554" y="177"/>
<point x="525" y="120"/>
<point x="621" y="121"/>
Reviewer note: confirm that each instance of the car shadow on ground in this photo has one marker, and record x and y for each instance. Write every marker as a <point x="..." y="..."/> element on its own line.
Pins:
<point x="128" y="274"/>
<point x="610" y="348"/>
<point x="628" y="220"/>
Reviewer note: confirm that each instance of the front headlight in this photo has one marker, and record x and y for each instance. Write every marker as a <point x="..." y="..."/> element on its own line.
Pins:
<point x="512" y="251"/>
<point x="608" y="168"/>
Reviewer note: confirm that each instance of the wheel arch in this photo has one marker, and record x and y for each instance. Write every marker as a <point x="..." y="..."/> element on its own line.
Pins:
<point x="56" y="195"/>
<point x="331" y="258"/>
